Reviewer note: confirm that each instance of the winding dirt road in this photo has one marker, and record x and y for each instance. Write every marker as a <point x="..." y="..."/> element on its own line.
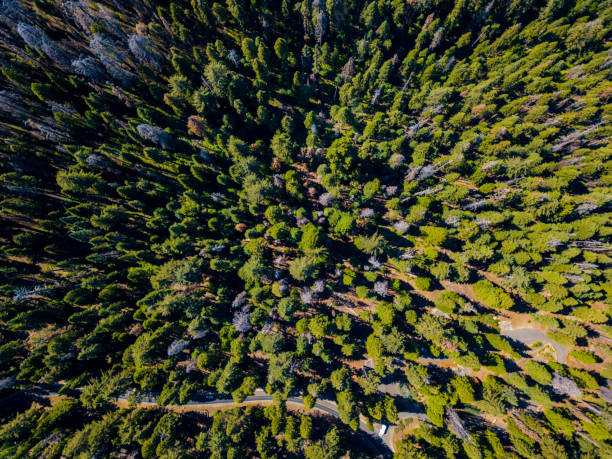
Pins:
<point x="202" y="402"/>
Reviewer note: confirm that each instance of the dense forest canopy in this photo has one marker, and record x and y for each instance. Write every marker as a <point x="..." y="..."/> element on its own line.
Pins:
<point x="385" y="222"/>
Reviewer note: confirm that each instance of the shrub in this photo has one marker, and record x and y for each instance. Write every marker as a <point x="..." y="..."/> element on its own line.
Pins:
<point x="435" y="409"/>
<point x="423" y="283"/>
<point x="538" y="372"/>
<point x="448" y="301"/>
<point x="590" y="314"/>
<point x="547" y="321"/>
<point x="561" y="338"/>
<point x="492" y="296"/>
<point x="584" y="356"/>
<point x="463" y="388"/>
<point x="362" y="291"/>
<point x="348" y="277"/>
<point x="430" y="253"/>
<point x="584" y="378"/>
<point x="434" y="235"/>
<point x="302" y="268"/>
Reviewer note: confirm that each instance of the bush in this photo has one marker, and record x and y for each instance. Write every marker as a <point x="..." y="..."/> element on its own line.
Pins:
<point x="423" y="283"/>
<point x="434" y="235"/>
<point x="584" y="356"/>
<point x="494" y="363"/>
<point x="589" y="314"/>
<point x="348" y="277"/>
<point x="463" y="388"/>
<point x="362" y="291"/>
<point x="501" y="344"/>
<point x="436" y="405"/>
<point x="538" y="372"/>
<point x="302" y="268"/>
<point x="448" y="301"/>
<point x="547" y="321"/>
<point x="492" y="296"/>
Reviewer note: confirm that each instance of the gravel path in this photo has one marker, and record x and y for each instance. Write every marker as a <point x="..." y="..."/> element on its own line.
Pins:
<point x="530" y="335"/>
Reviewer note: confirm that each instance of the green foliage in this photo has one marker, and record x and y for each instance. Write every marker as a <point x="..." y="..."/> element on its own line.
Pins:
<point x="448" y="302"/>
<point x="312" y="238"/>
<point x="464" y="389"/>
<point x="372" y="245"/>
<point x="423" y="283"/>
<point x="303" y="268"/>
<point x="225" y="196"/>
<point x="434" y="235"/>
<point x="491" y="296"/>
<point x="584" y="356"/>
<point x="435" y="409"/>
<point x="538" y="372"/>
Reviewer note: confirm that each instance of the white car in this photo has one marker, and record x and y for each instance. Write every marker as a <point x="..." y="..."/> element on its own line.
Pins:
<point x="383" y="430"/>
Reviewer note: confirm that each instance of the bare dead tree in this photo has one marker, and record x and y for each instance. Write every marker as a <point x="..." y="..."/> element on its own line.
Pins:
<point x="241" y="320"/>
<point x="381" y="288"/>
<point x="367" y="213"/>
<point x="142" y="49"/>
<point x="88" y="67"/>
<point x="13" y="12"/>
<point x="475" y="205"/>
<point x="396" y="160"/>
<point x="565" y="386"/>
<point x="239" y="300"/>
<point x="12" y="103"/>
<point x="456" y="424"/>
<point x="436" y="39"/>
<point x="585" y="208"/>
<point x="318" y="286"/>
<point x="177" y="346"/>
<point x="113" y="57"/>
<point x="321" y="26"/>
<point x="155" y="134"/>
<point x="452" y="221"/>
<point x="326" y="199"/>
<point x="307" y="296"/>
<point x="348" y="70"/>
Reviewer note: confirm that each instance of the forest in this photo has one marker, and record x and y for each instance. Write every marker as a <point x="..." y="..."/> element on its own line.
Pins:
<point x="313" y="229"/>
